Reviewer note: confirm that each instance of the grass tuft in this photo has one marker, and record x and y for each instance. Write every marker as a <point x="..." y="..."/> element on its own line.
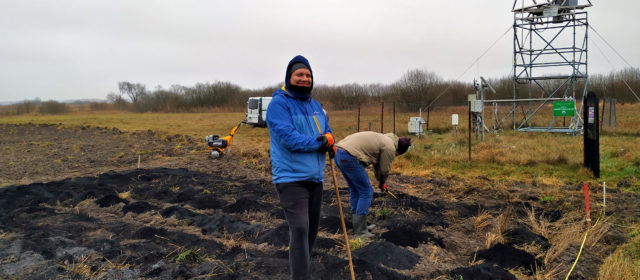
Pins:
<point x="383" y="213"/>
<point x="193" y="256"/>
<point x="124" y="195"/>
<point x="482" y="221"/>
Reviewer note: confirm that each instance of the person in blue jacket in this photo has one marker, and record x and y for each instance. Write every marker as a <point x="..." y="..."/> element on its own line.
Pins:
<point x="300" y="137"/>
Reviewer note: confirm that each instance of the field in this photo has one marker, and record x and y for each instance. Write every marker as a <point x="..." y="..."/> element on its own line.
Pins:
<point x="129" y="196"/>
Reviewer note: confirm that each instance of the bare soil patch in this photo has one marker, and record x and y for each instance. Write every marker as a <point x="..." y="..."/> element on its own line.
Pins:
<point x="184" y="216"/>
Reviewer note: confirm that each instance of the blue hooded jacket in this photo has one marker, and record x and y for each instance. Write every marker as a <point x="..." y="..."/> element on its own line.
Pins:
<point x="295" y="121"/>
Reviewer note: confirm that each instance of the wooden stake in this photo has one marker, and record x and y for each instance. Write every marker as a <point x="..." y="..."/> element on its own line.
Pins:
<point x="344" y="227"/>
<point x="604" y="198"/>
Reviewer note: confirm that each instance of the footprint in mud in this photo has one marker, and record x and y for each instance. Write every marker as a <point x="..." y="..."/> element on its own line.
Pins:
<point x="212" y="223"/>
<point x="404" y="236"/>
<point x="110" y="200"/>
<point x="207" y="202"/>
<point x="246" y="204"/>
<point x="332" y="223"/>
<point x="523" y="236"/>
<point x="184" y="195"/>
<point x="508" y="257"/>
<point x="228" y="223"/>
<point x="277" y="237"/>
<point x="388" y="254"/>
<point x="138" y="207"/>
<point x="330" y="267"/>
<point x="483" y="271"/>
<point x="149" y="233"/>
<point x="179" y="212"/>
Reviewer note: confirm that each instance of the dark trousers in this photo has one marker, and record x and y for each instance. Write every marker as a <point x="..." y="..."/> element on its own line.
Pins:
<point x="301" y="202"/>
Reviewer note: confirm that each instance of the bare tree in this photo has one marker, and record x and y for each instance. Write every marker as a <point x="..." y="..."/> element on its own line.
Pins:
<point x="117" y="99"/>
<point x="417" y="88"/>
<point x="134" y="91"/>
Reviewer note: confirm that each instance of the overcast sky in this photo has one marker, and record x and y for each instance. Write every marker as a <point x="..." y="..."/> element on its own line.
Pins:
<point x="64" y="50"/>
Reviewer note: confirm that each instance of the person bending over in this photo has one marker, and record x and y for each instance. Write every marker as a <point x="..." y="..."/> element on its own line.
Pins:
<point x="354" y="154"/>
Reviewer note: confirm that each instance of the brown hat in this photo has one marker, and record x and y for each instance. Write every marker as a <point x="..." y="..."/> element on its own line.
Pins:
<point x="403" y="144"/>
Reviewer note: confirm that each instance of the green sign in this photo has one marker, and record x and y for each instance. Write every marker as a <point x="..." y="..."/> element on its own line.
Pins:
<point x="564" y="108"/>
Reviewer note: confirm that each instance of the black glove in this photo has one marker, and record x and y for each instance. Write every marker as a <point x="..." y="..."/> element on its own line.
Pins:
<point x="327" y="142"/>
<point x="332" y="151"/>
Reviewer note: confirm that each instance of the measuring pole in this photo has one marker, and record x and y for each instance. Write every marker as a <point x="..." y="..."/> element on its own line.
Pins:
<point x="586" y="199"/>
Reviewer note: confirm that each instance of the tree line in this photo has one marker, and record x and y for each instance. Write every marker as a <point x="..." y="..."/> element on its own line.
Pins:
<point x="416" y="89"/>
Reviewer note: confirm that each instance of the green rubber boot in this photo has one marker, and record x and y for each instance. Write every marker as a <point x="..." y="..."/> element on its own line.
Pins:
<point x="360" y="226"/>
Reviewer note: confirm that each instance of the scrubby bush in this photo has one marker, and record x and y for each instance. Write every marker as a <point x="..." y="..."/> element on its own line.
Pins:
<point x="53" y="108"/>
<point x="98" y="106"/>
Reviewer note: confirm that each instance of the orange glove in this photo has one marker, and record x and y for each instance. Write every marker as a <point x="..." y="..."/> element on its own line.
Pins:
<point x="327" y="142"/>
<point x="383" y="188"/>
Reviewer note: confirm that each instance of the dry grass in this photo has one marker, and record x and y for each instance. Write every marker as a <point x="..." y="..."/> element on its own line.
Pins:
<point x="256" y="217"/>
<point x="85" y="267"/>
<point x="623" y="264"/>
<point x="500" y="226"/>
<point x="475" y="260"/>
<point x="482" y="221"/>
<point x="433" y="257"/>
<point x="538" y="224"/>
<point x="232" y="240"/>
<point x="539" y="273"/>
<point x="598" y="231"/>
<point x="505" y="155"/>
<point x="81" y="268"/>
<point x="568" y="230"/>
<point x="125" y="195"/>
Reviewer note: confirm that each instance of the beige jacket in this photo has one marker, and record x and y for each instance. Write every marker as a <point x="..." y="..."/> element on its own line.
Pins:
<point x="372" y="148"/>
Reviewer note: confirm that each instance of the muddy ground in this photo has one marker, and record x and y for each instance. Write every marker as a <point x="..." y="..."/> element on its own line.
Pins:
<point x="74" y="205"/>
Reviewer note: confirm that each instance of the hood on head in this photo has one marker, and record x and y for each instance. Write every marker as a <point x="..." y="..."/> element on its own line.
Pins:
<point x="393" y="138"/>
<point x="287" y="78"/>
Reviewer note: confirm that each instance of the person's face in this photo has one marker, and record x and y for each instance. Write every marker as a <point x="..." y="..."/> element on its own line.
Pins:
<point x="301" y="77"/>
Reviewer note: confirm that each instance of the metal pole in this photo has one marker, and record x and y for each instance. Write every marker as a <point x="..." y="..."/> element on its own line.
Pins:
<point x="358" y="117"/>
<point x="469" y="131"/>
<point x="604" y="100"/>
<point x="382" y="118"/>
<point x="394" y="118"/>
<point x="420" y="124"/>
<point x="515" y="36"/>
<point x="428" y="110"/>
<point x="482" y="98"/>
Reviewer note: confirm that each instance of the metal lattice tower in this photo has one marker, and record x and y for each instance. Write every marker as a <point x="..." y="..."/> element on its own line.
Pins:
<point x="549" y="61"/>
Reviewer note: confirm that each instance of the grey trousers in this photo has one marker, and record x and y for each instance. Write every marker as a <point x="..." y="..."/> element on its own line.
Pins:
<point x="301" y="202"/>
